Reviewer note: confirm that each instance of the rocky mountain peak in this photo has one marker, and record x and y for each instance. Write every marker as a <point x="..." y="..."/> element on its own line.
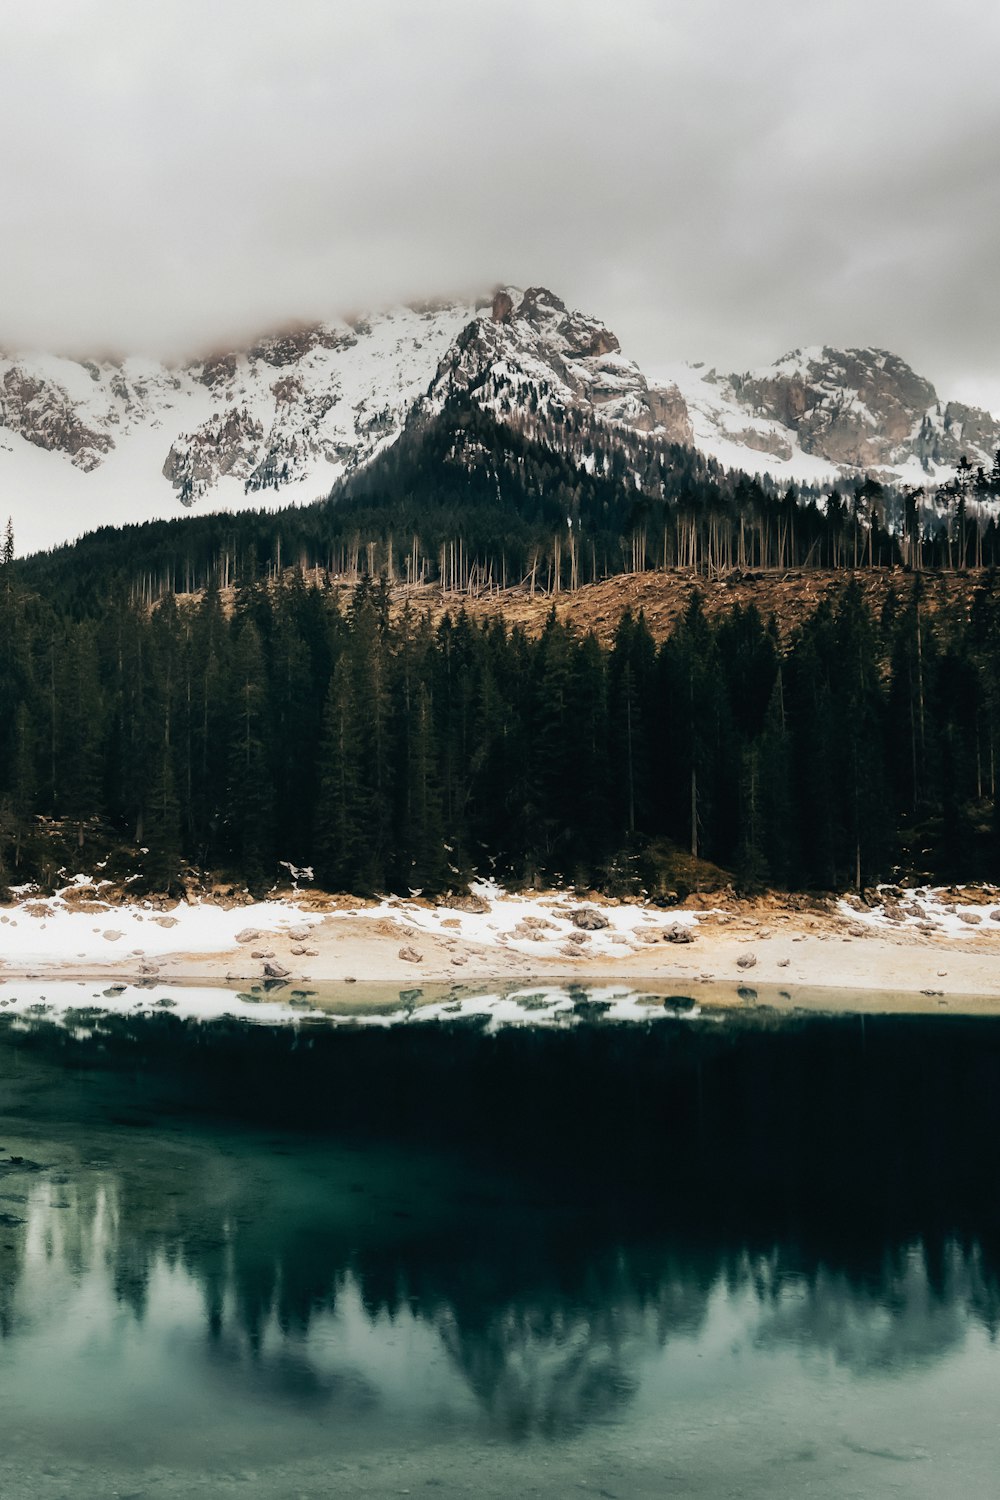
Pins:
<point x="502" y="307"/>
<point x="584" y="337"/>
<point x="539" y="304"/>
<point x="293" y="411"/>
<point x="822" y="412"/>
<point x="532" y="352"/>
<point x="41" y="411"/>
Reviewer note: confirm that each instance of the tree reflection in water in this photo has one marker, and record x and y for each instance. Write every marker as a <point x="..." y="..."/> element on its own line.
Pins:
<point x="562" y="1205"/>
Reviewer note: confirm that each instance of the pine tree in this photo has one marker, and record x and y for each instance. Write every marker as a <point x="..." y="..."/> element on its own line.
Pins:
<point x="588" y="768"/>
<point x="551" y="742"/>
<point x="295" y="724"/>
<point x="206" y="729"/>
<point x="857" y="692"/>
<point x="249" y="810"/>
<point x="341" y="810"/>
<point x="78" y="722"/>
<point x="699" y="784"/>
<point x="631" y="667"/>
<point x="420" y="831"/>
<point x="163" y="823"/>
<point x="772" y="835"/>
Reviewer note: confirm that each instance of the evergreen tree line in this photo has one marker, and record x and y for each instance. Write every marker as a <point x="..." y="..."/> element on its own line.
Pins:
<point x="548" y="501"/>
<point x="399" y="754"/>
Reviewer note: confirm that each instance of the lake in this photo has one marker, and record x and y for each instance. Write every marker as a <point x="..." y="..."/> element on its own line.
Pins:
<point x="737" y="1253"/>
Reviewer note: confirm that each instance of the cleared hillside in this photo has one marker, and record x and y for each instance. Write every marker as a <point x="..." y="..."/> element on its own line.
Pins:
<point x="789" y="596"/>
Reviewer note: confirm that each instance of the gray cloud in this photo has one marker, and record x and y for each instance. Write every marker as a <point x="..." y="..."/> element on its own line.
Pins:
<point x="717" y="179"/>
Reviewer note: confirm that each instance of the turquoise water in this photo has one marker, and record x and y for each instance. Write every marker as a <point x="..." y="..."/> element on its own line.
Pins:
<point x="751" y="1259"/>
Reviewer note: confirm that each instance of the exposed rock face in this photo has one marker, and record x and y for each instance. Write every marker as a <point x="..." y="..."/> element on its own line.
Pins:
<point x="945" y="436"/>
<point x="668" y="410"/>
<point x="294" y="345"/>
<point x="43" y="413"/>
<point x="502" y="308"/>
<point x="858" y="410"/>
<point x="856" y="406"/>
<point x="583" y="337"/>
<point x="216" y="371"/>
<point x="342" y="392"/>
<point x="540" y="357"/>
<point x="224" y="445"/>
<point x="764" y="442"/>
<point x="311" y="404"/>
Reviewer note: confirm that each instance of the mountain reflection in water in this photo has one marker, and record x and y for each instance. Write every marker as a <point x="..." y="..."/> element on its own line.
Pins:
<point x="522" y="1234"/>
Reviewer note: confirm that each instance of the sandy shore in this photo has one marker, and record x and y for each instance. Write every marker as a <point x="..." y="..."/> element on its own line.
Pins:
<point x="925" y="951"/>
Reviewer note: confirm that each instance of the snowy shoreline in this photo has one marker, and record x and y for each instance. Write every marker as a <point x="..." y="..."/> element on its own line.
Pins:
<point x="930" y="944"/>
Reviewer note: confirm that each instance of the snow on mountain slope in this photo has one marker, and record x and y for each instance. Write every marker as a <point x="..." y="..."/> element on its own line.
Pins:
<point x="89" y="443"/>
<point x="823" y="414"/>
<point x="531" y="352"/>
<point x="738" y="439"/>
<point x="86" y="444"/>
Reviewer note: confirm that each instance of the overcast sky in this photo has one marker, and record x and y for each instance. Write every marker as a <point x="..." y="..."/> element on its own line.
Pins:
<point x="716" y="179"/>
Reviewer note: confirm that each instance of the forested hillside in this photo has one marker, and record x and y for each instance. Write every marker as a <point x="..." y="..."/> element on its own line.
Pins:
<point x="407" y="754"/>
<point x="549" y="498"/>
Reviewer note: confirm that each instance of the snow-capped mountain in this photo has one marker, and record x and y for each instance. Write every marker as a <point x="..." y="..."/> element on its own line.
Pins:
<point x="531" y="352"/>
<point x="85" y="443"/>
<point x="90" y="443"/>
<point x="821" y="413"/>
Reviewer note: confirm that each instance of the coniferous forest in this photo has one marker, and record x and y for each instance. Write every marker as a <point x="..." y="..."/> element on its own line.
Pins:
<point x="387" y="752"/>
<point x="547" y="499"/>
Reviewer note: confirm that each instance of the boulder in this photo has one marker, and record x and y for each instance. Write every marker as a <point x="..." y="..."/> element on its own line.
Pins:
<point x="470" y="902"/>
<point x="589" y="920"/>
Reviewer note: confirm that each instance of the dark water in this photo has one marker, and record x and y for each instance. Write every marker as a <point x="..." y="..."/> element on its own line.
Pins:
<point x="752" y="1258"/>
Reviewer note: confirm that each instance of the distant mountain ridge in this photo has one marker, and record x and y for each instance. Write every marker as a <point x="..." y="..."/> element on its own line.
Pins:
<point x="855" y="411"/>
<point x="86" y="443"/>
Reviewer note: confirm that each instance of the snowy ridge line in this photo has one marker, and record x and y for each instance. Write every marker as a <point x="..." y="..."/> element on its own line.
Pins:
<point x="85" y="444"/>
<point x="90" y="443"/>
<point x="824" y="415"/>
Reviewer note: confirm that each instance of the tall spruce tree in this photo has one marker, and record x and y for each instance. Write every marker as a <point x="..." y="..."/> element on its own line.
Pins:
<point x="249" y="802"/>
